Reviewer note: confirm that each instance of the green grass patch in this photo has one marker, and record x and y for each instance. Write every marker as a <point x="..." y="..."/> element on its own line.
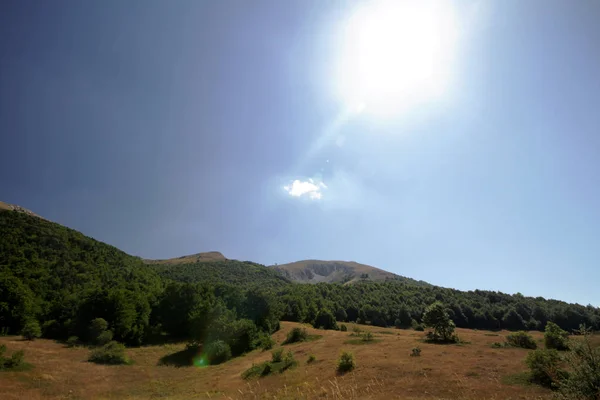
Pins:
<point x="491" y="334"/>
<point x="24" y="366"/>
<point x="521" y="378"/>
<point x="279" y="364"/>
<point x="360" y="341"/>
<point x="300" y="335"/>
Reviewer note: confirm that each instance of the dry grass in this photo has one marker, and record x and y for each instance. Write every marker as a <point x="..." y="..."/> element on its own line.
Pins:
<point x="384" y="370"/>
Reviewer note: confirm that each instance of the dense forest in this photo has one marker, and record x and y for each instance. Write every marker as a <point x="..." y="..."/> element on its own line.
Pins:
<point x="62" y="280"/>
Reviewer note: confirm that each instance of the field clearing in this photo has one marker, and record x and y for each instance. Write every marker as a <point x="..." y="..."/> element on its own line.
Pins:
<point x="384" y="370"/>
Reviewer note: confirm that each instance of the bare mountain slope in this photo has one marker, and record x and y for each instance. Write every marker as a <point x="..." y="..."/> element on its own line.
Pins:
<point x="315" y="271"/>
<point x="12" y="207"/>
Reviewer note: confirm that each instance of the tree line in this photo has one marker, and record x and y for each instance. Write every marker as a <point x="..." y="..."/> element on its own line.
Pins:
<point x="61" y="280"/>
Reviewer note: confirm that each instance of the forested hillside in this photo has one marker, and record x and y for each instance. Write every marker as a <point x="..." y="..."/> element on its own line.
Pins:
<point x="63" y="280"/>
<point x="229" y="271"/>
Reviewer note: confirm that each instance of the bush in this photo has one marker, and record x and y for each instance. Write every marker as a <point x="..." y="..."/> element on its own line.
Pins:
<point x="277" y="355"/>
<point x="498" y="345"/>
<point x="279" y="363"/>
<point x="416" y="352"/>
<point x="288" y="359"/>
<point x="104" y="338"/>
<point x="356" y="330"/>
<point x="416" y="326"/>
<point x="544" y="365"/>
<point x="72" y="341"/>
<point x="13" y="362"/>
<point x="556" y="338"/>
<point x="397" y="323"/>
<point x="31" y="330"/>
<point x="96" y="328"/>
<point x="325" y="320"/>
<point x="583" y="381"/>
<point x="346" y="362"/>
<point x="296" y="335"/>
<point x="521" y="339"/>
<point x="311" y="359"/>
<point x="367" y="337"/>
<point x="437" y="318"/>
<point x="218" y="352"/>
<point x="52" y="329"/>
<point x="343" y="328"/>
<point x="111" y="353"/>
<point x="265" y="341"/>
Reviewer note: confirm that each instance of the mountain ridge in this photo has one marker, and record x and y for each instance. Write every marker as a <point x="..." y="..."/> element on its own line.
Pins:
<point x="336" y="271"/>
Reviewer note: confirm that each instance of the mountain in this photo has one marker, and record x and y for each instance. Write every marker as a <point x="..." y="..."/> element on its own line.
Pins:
<point x="192" y="258"/>
<point x="316" y="271"/>
<point x="12" y="207"/>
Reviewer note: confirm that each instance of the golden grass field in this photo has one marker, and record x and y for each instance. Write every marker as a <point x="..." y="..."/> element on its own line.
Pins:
<point x="384" y="371"/>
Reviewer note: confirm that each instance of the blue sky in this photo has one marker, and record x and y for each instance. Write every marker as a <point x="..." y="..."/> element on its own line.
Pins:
<point x="170" y="128"/>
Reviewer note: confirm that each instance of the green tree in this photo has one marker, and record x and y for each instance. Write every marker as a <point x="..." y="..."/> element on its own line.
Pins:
<point x="325" y="320"/>
<point x="583" y="381"/>
<point x="436" y="317"/>
<point x="31" y="330"/>
<point x="97" y="327"/>
<point x="555" y="338"/>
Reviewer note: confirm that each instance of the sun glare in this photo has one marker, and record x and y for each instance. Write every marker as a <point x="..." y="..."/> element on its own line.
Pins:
<point x="395" y="53"/>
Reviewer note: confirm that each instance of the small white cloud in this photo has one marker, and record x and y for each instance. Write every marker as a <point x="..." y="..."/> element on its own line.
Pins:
<point x="308" y="188"/>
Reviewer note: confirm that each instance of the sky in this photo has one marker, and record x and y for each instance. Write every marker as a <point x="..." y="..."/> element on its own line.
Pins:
<point x="172" y="128"/>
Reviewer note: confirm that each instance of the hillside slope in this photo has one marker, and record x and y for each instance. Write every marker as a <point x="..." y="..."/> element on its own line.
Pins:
<point x="209" y="256"/>
<point x="57" y="275"/>
<point x="233" y="272"/>
<point x="13" y="207"/>
<point x="317" y="271"/>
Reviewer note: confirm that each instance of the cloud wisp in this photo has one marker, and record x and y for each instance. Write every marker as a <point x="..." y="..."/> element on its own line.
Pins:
<point x="309" y="188"/>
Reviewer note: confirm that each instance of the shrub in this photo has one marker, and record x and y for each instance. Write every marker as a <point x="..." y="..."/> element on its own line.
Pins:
<point x="104" y="338"/>
<point x="521" y="339"/>
<point x="96" y="328"/>
<point x="437" y="318"/>
<point x="367" y="337"/>
<point x="111" y="353"/>
<point x="288" y="359"/>
<point x="416" y="326"/>
<point x="72" y="341"/>
<point x="265" y="341"/>
<point x="218" y="352"/>
<point x="51" y="329"/>
<point x="279" y="363"/>
<point x="296" y="335"/>
<point x="343" y="328"/>
<point x="31" y="330"/>
<point x="311" y="359"/>
<point x="346" y="362"/>
<point x="544" y="365"/>
<point x="583" y="381"/>
<point x="397" y="323"/>
<point x="13" y="362"/>
<point x="277" y="355"/>
<point x="556" y="338"/>
<point x="325" y="320"/>
<point x="498" y="345"/>
<point x="416" y="352"/>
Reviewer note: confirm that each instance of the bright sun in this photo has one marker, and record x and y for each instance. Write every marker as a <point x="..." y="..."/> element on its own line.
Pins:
<point x="395" y="53"/>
